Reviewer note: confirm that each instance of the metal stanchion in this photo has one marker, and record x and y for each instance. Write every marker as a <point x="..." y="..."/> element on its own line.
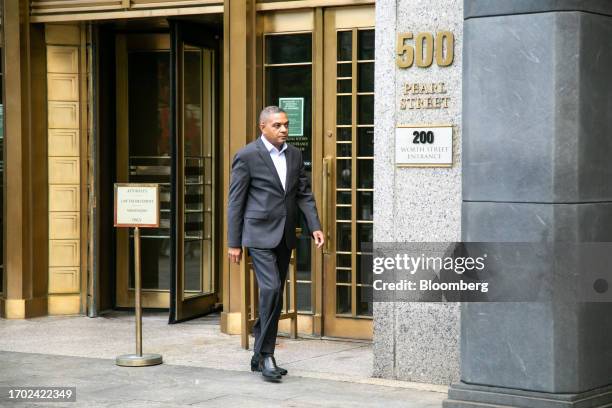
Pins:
<point x="138" y="359"/>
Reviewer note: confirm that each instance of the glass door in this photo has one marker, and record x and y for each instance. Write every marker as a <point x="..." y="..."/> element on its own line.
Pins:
<point x="288" y="61"/>
<point x="193" y="289"/>
<point x="144" y="156"/>
<point x="166" y="134"/>
<point x="349" y="150"/>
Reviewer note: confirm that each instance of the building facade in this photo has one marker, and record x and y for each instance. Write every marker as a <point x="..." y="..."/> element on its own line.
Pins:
<point x="167" y="92"/>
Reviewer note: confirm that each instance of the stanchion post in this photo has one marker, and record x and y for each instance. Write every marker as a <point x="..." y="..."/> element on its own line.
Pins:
<point x="150" y="196"/>
<point x="138" y="283"/>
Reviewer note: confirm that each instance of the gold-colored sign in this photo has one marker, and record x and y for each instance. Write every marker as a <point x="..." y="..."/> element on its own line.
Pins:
<point x="430" y="95"/>
<point x="423" y="49"/>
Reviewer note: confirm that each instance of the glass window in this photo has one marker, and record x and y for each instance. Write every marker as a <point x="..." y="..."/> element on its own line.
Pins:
<point x="288" y="48"/>
<point x="354" y="293"/>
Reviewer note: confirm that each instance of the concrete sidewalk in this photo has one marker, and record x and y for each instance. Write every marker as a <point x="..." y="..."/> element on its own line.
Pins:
<point x="201" y="366"/>
<point x="100" y="383"/>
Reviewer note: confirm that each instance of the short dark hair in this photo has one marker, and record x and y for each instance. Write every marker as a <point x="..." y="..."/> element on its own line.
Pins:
<point x="269" y="110"/>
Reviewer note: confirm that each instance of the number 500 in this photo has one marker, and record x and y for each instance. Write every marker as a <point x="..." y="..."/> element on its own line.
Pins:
<point x="423" y="49"/>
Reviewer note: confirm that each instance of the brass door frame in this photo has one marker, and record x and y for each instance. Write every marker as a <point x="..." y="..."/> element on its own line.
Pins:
<point x="337" y="19"/>
<point x="124" y="296"/>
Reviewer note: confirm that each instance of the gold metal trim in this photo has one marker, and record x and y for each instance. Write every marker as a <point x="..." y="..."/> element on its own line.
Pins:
<point x="288" y="5"/>
<point x="113" y="15"/>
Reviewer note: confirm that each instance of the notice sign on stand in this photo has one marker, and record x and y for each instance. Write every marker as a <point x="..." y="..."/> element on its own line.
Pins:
<point x="424" y="146"/>
<point x="137" y="205"/>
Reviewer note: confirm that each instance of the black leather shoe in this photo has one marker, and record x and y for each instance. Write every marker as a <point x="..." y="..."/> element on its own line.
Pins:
<point x="255" y="362"/>
<point x="268" y="369"/>
<point x="280" y="370"/>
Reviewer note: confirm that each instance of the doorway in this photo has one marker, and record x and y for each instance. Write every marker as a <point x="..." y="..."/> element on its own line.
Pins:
<point x="167" y="133"/>
<point x="320" y="65"/>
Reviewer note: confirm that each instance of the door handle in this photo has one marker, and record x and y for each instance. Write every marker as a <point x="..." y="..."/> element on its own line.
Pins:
<point x="326" y="201"/>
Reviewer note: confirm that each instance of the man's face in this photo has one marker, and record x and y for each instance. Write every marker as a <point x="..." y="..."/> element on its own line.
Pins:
<point x="275" y="128"/>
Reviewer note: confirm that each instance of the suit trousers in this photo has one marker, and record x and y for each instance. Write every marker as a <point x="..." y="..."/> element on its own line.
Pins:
<point x="271" y="267"/>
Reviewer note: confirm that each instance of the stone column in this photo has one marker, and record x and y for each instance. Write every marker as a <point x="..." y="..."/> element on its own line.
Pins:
<point x="537" y="146"/>
<point x="25" y="189"/>
<point x="416" y="341"/>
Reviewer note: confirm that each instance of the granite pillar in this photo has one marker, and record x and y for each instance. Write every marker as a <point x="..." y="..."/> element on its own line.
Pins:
<point x="536" y="168"/>
<point x="416" y="341"/>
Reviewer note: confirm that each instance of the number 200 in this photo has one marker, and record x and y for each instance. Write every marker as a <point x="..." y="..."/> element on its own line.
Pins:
<point x="423" y="49"/>
<point x="423" y="137"/>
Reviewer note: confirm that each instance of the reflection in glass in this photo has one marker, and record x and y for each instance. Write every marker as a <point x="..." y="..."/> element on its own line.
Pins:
<point x="365" y="173"/>
<point x="289" y="48"/>
<point x="154" y="262"/>
<point x="343" y="236"/>
<point x="343" y="150"/>
<point x="345" y="45"/>
<point x="365" y="44"/>
<point x="343" y="276"/>
<point x="149" y="108"/>
<point x="345" y="70"/>
<point x="365" y="77"/>
<point x="365" y="234"/>
<point x="344" y="110"/>
<point x="343" y="213"/>
<point x="345" y="86"/>
<point x="364" y="269"/>
<point x="364" y="300"/>
<point x="344" y="197"/>
<point x="304" y="301"/>
<point x="365" y="109"/>
<point x="343" y="260"/>
<point x="193" y="256"/>
<point x="365" y="141"/>
<point x="192" y="109"/>
<point x="365" y="205"/>
<point x="344" y="134"/>
<point x="343" y="299"/>
<point x="343" y="174"/>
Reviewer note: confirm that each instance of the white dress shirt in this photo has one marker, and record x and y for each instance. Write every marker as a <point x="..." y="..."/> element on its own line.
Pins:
<point x="278" y="158"/>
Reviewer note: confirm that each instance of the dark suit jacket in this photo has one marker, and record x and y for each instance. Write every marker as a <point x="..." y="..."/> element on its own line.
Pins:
<point x="259" y="209"/>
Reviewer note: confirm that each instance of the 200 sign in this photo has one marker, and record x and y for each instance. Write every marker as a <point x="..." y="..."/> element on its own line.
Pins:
<point x="423" y="137"/>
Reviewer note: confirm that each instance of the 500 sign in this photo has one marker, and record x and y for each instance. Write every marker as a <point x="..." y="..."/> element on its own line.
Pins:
<point x="423" y="50"/>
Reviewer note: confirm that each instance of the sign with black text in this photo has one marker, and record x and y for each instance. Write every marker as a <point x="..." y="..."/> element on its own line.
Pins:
<point x="136" y="205"/>
<point x="424" y="146"/>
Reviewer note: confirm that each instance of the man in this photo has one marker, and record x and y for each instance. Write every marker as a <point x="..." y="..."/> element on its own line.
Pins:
<point x="268" y="184"/>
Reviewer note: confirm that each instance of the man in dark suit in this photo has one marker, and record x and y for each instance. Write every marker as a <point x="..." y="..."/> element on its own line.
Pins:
<point x="268" y="184"/>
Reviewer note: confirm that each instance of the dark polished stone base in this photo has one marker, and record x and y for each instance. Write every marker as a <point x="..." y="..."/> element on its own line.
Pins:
<point x="463" y="395"/>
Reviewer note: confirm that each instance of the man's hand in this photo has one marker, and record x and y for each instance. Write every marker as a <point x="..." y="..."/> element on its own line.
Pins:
<point x="234" y="255"/>
<point x="318" y="238"/>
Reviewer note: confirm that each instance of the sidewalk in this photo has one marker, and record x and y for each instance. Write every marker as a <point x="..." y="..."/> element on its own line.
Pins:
<point x="202" y="367"/>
